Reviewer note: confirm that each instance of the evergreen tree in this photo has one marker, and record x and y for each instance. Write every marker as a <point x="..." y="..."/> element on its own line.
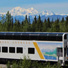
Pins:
<point x="34" y="24"/>
<point x="16" y="26"/>
<point x="62" y="20"/>
<point x="55" y="26"/>
<point x="11" y="24"/>
<point x="3" y="20"/>
<point x="66" y="24"/>
<point x="29" y="19"/>
<point x="21" y="26"/>
<point x="62" y="25"/>
<point x="67" y="20"/>
<point x="29" y="24"/>
<point x="1" y="28"/>
<point x="44" y="28"/>
<point x="8" y="21"/>
<point x="26" y="25"/>
<point x="48" y="23"/>
<point x="39" y="24"/>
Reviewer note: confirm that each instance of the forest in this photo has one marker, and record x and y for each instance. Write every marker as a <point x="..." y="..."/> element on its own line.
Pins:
<point x="7" y="25"/>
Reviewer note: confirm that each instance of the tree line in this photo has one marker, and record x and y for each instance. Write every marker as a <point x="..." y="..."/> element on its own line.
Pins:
<point x="7" y="25"/>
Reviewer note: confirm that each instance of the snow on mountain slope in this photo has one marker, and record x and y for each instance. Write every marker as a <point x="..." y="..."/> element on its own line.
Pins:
<point x="22" y="11"/>
<point x="2" y="13"/>
<point x="19" y="14"/>
<point x="30" y="11"/>
<point x="18" y="11"/>
<point x="47" y="13"/>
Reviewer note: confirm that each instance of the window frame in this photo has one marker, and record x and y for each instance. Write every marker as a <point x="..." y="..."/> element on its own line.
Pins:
<point x="10" y="50"/>
<point x="32" y="52"/>
<point x="3" y="50"/>
<point x="17" y="51"/>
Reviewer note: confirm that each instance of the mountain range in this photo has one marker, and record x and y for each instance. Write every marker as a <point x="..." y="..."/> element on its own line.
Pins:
<point x="19" y="14"/>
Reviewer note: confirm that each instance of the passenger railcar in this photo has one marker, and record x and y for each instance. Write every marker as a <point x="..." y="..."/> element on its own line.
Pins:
<point x="40" y="46"/>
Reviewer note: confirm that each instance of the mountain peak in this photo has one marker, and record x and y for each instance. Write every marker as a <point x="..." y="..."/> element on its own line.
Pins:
<point x="19" y="11"/>
<point x="47" y="13"/>
<point x="17" y="8"/>
<point x="22" y="11"/>
<point x="32" y="8"/>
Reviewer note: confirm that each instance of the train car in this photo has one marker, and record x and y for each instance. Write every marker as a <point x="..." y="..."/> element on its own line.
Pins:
<point x="40" y="46"/>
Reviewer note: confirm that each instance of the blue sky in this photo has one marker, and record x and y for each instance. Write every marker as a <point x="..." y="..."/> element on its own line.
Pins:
<point x="57" y="6"/>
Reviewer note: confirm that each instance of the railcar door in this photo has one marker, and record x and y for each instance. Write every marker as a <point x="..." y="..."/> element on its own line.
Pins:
<point x="67" y="54"/>
<point x="60" y="54"/>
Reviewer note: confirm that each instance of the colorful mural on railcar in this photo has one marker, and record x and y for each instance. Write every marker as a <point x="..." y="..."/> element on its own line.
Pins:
<point x="49" y="49"/>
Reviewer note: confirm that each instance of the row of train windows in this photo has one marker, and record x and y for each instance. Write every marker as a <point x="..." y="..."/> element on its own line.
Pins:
<point x="19" y="50"/>
<point x="25" y="37"/>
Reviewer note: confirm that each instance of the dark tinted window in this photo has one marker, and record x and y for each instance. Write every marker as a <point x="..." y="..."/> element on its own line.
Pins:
<point x="8" y="37"/>
<point x="25" y="37"/>
<point x="19" y="50"/>
<point x="12" y="49"/>
<point x="32" y="37"/>
<point x="16" y="37"/>
<point x="50" y="38"/>
<point x="2" y="36"/>
<point x="65" y="51"/>
<point x="59" y="52"/>
<point x="65" y="36"/>
<point x="0" y="49"/>
<point x="31" y="50"/>
<point x="4" y="49"/>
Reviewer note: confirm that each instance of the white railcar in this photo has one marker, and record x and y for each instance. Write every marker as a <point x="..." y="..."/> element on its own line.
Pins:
<point x="40" y="46"/>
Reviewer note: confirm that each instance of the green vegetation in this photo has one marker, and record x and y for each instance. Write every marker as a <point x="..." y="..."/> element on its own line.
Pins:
<point x="32" y="64"/>
<point x="7" y="25"/>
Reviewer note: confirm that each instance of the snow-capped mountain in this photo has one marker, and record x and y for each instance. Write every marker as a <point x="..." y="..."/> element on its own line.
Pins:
<point x="2" y="13"/>
<point x="30" y="11"/>
<point x="22" y="11"/>
<point x="19" y="14"/>
<point x="47" y="13"/>
<point x="18" y="11"/>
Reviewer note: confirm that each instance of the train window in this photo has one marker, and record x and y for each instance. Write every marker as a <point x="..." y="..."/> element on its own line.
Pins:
<point x="28" y="36"/>
<point x="31" y="50"/>
<point x="2" y="36"/>
<point x="19" y="50"/>
<point x="8" y="37"/>
<point x="50" y="38"/>
<point x="33" y="37"/>
<point x="12" y="49"/>
<point x="65" y="36"/>
<point x="16" y="37"/>
<point x="0" y="49"/>
<point x="59" y="52"/>
<point x="5" y="49"/>
<point x="25" y="37"/>
<point x="65" y="51"/>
